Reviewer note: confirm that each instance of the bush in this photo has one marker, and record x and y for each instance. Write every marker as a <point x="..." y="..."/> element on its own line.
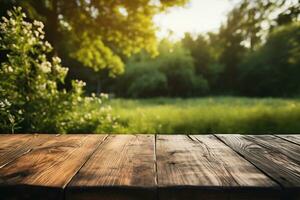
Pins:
<point x="171" y="74"/>
<point x="29" y="80"/>
<point x="153" y="83"/>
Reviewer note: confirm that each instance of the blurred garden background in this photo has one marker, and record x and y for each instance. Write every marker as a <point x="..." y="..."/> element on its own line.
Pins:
<point x="150" y="66"/>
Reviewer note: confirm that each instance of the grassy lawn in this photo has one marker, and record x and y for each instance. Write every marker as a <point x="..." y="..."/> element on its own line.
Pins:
<point x="208" y="115"/>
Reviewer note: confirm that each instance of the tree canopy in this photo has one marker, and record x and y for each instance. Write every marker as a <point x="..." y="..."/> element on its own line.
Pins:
<point x="98" y="32"/>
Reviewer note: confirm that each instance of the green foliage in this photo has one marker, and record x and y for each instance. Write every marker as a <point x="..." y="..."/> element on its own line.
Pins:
<point x="247" y="25"/>
<point x="205" y="52"/>
<point x="153" y="83"/>
<point x="97" y="33"/>
<point x="94" y="54"/>
<point x="201" y="51"/>
<point x="172" y="73"/>
<point x="274" y="69"/>
<point x="208" y="115"/>
<point x="9" y="120"/>
<point x="29" y="80"/>
<point x="178" y="66"/>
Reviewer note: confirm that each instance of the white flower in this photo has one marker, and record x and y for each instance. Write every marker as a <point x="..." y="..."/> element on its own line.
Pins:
<point x="4" y="19"/>
<point x="81" y="83"/>
<point x="38" y="24"/>
<point x="56" y="59"/>
<point x="3" y="27"/>
<point x="40" y="30"/>
<point x="48" y="45"/>
<point x="31" y="40"/>
<point x="7" y="102"/>
<point x="9" y="13"/>
<point x="27" y="24"/>
<point x="13" y="22"/>
<point x="10" y="69"/>
<point x="45" y="67"/>
<point x="36" y="33"/>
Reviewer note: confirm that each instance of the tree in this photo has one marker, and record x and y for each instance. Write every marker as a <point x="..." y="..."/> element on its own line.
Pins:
<point x="98" y="32"/>
<point x="291" y="14"/>
<point x="274" y="69"/>
<point x="258" y="18"/>
<point x="201" y="52"/>
<point x="245" y="30"/>
<point x="230" y="37"/>
<point x="171" y="74"/>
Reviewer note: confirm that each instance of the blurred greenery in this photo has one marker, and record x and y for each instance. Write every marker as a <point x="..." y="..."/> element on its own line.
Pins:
<point x="30" y="98"/>
<point x="274" y="68"/>
<point x="172" y="73"/>
<point x="244" y="58"/>
<point x="97" y="34"/>
<point x="208" y="115"/>
<point x="112" y="48"/>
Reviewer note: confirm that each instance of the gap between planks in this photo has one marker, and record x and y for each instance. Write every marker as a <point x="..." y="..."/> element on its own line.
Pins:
<point x="28" y="173"/>
<point x="277" y="158"/>
<point x="155" y="157"/>
<point x="244" y="157"/>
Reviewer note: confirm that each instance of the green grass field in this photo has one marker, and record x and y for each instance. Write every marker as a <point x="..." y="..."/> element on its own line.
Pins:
<point x="208" y="115"/>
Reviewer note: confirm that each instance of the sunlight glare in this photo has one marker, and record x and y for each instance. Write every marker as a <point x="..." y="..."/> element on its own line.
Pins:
<point x="198" y="16"/>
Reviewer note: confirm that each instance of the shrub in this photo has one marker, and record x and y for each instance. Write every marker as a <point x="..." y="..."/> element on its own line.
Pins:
<point x="30" y="99"/>
<point x="153" y="83"/>
<point x="171" y="74"/>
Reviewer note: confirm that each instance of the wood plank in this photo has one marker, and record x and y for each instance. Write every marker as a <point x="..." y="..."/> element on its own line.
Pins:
<point x="277" y="144"/>
<point x="195" y="167"/>
<point x="122" y="168"/>
<point x="45" y="171"/>
<point x="292" y="138"/>
<point x="12" y="146"/>
<point x="273" y="162"/>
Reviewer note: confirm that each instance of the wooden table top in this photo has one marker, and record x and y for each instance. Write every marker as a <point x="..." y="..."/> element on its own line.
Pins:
<point x="149" y="167"/>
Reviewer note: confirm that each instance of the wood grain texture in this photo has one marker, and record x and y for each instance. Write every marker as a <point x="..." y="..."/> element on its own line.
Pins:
<point x="47" y="168"/>
<point x="122" y="168"/>
<point x="270" y="160"/>
<point x="195" y="167"/>
<point x="134" y="167"/>
<point x="292" y="138"/>
<point x="13" y="146"/>
<point x="279" y="145"/>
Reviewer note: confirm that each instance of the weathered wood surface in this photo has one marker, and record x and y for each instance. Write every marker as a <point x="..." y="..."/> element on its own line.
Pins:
<point x="120" y="165"/>
<point x="279" y="145"/>
<point x="164" y="167"/>
<point x="205" y="163"/>
<point x="292" y="138"/>
<point x="271" y="156"/>
<point x="48" y="166"/>
<point x="14" y="146"/>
